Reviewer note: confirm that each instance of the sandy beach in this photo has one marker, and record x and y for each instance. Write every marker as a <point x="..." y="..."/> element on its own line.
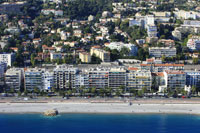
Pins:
<point x="139" y="106"/>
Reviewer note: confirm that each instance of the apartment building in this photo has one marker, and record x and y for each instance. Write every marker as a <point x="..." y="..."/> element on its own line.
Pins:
<point x="33" y="79"/>
<point x="192" y="78"/>
<point x="119" y="45"/>
<point x="82" y="79"/>
<point x="194" y="43"/>
<point x="161" y="67"/>
<point x="138" y="79"/>
<point x="85" y="57"/>
<point x="152" y="31"/>
<point x="2" y="70"/>
<point x="117" y="78"/>
<point x="65" y="77"/>
<point x="102" y="54"/>
<point x="158" y="52"/>
<point x="54" y="56"/>
<point x="167" y="42"/>
<point x="181" y="14"/>
<point x="174" y="79"/>
<point x="7" y="58"/>
<point x="98" y="77"/>
<point x="48" y="80"/>
<point x="13" y="78"/>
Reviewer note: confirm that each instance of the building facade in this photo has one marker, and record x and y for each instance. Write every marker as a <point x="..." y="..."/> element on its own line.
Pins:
<point x="13" y="78"/>
<point x="7" y="58"/>
<point x="158" y="52"/>
<point x="64" y="77"/>
<point x="85" y="57"/>
<point x="193" y="78"/>
<point x="174" y="79"/>
<point x="33" y="79"/>
<point x="138" y="79"/>
<point x="102" y="54"/>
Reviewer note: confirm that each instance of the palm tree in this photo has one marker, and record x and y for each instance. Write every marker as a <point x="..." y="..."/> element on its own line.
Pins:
<point x="81" y="90"/>
<point x="101" y="92"/>
<point x="93" y="91"/>
<point x="36" y="90"/>
<point x="108" y="91"/>
<point x="194" y="89"/>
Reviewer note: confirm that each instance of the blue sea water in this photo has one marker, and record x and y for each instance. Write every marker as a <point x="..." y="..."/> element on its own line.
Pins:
<point x="99" y="123"/>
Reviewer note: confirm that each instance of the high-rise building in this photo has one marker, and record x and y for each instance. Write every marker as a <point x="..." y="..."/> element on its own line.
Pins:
<point x="13" y="78"/>
<point x="174" y="79"/>
<point x="193" y="78"/>
<point x="98" y="77"/>
<point x="48" y="80"/>
<point x="33" y="79"/>
<point x="65" y="77"/>
<point x="138" y="79"/>
<point x="2" y="70"/>
<point x="117" y="78"/>
<point x="7" y="58"/>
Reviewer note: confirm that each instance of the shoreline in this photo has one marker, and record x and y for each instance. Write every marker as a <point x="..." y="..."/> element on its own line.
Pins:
<point x="101" y="108"/>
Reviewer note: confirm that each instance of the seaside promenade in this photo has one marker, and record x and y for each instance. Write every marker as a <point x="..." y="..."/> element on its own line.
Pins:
<point x="179" y="106"/>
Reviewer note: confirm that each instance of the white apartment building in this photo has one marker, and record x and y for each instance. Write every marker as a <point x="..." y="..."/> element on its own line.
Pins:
<point x="54" y="56"/>
<point x="2" y="70"/>
<point x="65" y="77"/>
<point x="13" y="78"/>
<point x="7" y="58"/>
<point x="158" y="52"/>
<point x="186" y="14"/>
<point x="138" y="79"/>
<point x="47" y="80"/>
<point x="33" y="79"/>
<point x="174" y="79"/>
<point x="55" y="12"/>
<point x="194" y="43"/>
<point x="119" y="45"/>
<point x="150" y="20"/>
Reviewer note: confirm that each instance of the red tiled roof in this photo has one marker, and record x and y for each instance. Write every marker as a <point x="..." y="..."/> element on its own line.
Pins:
<point x="133" y="68"/>
<point x="174" y="72"/>
<point x="162" y="65"/>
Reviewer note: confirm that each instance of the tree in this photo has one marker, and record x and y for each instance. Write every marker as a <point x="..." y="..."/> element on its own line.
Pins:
<point x="69" y="92"/>
<point x="108" y="91"/>
<point x="95" y="59"/>
<point x="58" y="61"/>
<point x="12" y="90"/>
<point x="19" y="93"/>
<point x="93" y="90"/>
<point x="81" y="89"/>
<point x="122" y="88"/>
<point x="194" y="89"/>
<point x="118" y="92"/>
<point x="124" y="51"/>
<point x="140" y="93"/>
<point x="36" y="90"/>
<point x="33" y="59"/>
<point x="195" y="60"/>
<point x="62" y="93"/>
<point x="101" y="92"/>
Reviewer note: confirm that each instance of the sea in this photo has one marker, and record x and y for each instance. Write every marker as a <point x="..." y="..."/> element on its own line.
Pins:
<point x="99" y="123"/>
